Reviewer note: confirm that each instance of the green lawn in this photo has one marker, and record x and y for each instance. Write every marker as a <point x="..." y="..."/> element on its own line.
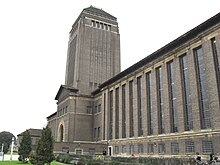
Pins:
<point x="18" y="163"/>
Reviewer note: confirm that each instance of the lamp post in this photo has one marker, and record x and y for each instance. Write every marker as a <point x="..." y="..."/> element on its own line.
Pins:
<point x="12" y="146"/>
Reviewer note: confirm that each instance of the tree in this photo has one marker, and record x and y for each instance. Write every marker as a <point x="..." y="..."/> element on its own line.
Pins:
<point x="6" y="139"/>
<point x="44" y="152"/>
<point x="25" y="147"/>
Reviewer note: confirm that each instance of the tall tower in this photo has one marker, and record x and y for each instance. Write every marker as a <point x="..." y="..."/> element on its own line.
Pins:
<point x="93" y="50"/>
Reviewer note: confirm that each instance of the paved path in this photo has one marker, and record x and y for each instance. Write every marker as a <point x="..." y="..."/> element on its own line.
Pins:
<point x="8" y="157"/>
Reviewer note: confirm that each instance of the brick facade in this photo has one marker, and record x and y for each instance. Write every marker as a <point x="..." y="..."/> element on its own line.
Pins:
<point x="91" y="118"/>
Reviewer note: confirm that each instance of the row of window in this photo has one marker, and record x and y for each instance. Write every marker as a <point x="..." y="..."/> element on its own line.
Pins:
<point x="62" y="111"/>
<point x="97" y="109"/>
<point x="207" y="147"/>
<point x="202" y="88"/>
<point x="97" y="133"/>
<point x="101" y="25"/>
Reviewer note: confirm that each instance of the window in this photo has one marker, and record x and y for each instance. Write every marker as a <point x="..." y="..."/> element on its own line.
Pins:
<point x="99" y="108"/>
<point x="97" y="24"/>
<point x="131" y="122"/>
<point x="187" y="105"/>
<point x="89" y="109"/>
<point x="94" y="133"/>
<point x="140" y="113"/>
<point x="102" y="26"/>
<point x="93" y="23"/>
<point x="174" y="148"/>
<point x="123" y="148"/>
<point x="172" y="97"/>
<point x="116" y="149"/>
<point x="66" y="109"/>
<point x="61" y="133"/>
<point x="104" y="117"/>
<point x="131" y="149"/>
<point x="189" y="147"/>
<point x="109" y="27"/>
<point x="216" y="63"/>
<point x="91" y="151"/>
<point x="140" y="148"/>
<point x="117" y="113"/>
<point x="160" y="100"/>
<point x="150" y="148"/>
<point x="202" y="88"/>
<point x="95" y="109"/>
<point x="123" y="111"/>
<point x="110" y="114"/>
<point x="161" y="148"/>
<point x="98" y="132"/>
<point x="207" y="146"/>
<point x="149" y="104"/>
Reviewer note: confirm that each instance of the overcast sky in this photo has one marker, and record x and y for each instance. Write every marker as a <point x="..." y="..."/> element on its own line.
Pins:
<point x="34" y="40"/>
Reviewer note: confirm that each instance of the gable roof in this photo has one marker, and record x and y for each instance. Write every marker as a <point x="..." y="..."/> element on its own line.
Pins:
<point x="67" y="87"/>
<point x="162" y="51"/>
<point x="96" y="11"/>
<point x="52" y="115"/>
<point x="33" y="132"/>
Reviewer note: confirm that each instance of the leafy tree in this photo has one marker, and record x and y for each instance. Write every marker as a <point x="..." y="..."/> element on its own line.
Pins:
<point x="25" y="147"/>
<point x="44" y="152"/>
<point x="6" y="139"/>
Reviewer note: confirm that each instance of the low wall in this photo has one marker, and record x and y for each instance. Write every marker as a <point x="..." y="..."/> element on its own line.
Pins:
<point x="155" y="161"/>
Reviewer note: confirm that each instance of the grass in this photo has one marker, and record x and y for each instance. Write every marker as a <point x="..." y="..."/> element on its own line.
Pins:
<point x="19" y="163"/>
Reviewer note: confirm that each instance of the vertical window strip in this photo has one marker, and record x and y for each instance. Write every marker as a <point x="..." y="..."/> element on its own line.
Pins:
<point x="117" y="113"/>
<point x="202" y="89"/>
<point x="216" y="63"/>
<point x="131" y="149"/>
<point x="104" y="117"/>
<point x="140" y="113"/>
<point x="123" y="111"/>
<point x="187" y="104"/>
<point x="160" y="100"/>
<point x="172" y="97"/>
<point x="131" y="122"/>
<point x="110" y="114"/>
<point x="149" y="104"/>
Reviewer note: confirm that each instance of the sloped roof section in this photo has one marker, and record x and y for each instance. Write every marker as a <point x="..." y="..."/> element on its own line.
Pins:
<point x="33" y="132"/>
<point x="213" y="21"/>
<point x="96" y="11"/>
<point x="67" y="87"/>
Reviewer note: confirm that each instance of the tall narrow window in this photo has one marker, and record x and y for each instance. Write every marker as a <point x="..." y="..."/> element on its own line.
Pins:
<point x="61" y="138"/>
<point x="172" y="97"/>
<point x="110" y="114"/>
<point x="123" y="111"/>
<point x="94" y="133"/>
<point x="117" y="113"/>
<point x="216" y="63"/>
<point x="187" y="104"/>
<point x="140" y="113"/>
<point x="98" y="132"/>
<point x="104" y="117"/>
<point x="131" y="122"/>
<point x="202" y="89"/>
<point x="149" y="104"/>
<point x="159" y="79"/>
<point x="131" y="149"/>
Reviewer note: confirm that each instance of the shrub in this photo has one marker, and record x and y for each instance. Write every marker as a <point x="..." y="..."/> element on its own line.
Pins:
<point x="32" y="158"/>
